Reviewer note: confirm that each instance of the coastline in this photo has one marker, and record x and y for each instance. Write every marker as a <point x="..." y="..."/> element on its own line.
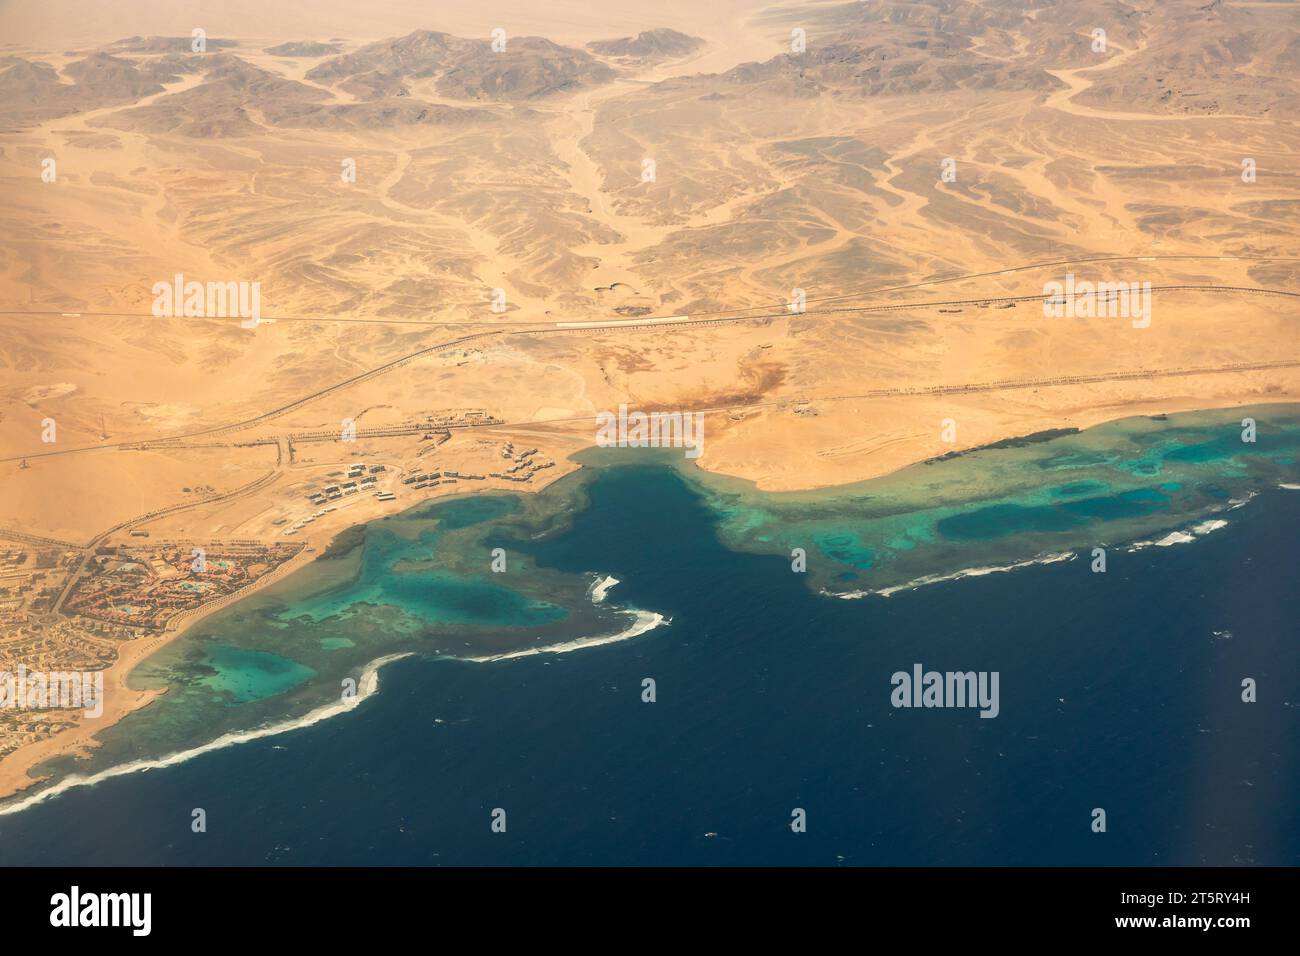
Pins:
<point x="121" y="700"/>
<point x="896" y="454"/>
<point x="642" y="622"/>
<point x="366" y="686"/>
<point x="745" y="685"/>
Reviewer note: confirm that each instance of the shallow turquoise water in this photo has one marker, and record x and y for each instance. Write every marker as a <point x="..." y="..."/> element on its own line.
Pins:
<point x="244" y="675"/>
<point x="1119" y="690"/>
<point x="421" y="582"/>
<point x="405" y="574"/>
<point x="992" y="507"/>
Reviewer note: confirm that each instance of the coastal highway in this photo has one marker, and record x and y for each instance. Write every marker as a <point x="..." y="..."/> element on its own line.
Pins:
<point x="663" y="323"/>
<point x="179" y="441"/>
<point x="702" y="318"/>
<point x="616" y="323"/>
<point x="416" y="428"/>
<point x="668" y="323"/>
<point x="960" y="389"/>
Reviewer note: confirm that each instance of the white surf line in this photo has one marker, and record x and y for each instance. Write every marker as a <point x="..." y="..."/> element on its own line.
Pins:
<point x="1202" y="528"/>
<point x="1172" y="538"/>
<point x="366" y="686"/>
<point x="642" y="622"/>
<point x="601" y="588"/>
<point x="1187" y="536"/>
<point x="953" y="576"/>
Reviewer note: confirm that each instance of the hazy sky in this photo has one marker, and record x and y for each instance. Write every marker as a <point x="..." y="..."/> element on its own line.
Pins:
<point x="53" y="24"/>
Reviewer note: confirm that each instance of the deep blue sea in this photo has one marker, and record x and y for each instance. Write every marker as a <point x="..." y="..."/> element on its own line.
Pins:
<point x="1119" y="691"/>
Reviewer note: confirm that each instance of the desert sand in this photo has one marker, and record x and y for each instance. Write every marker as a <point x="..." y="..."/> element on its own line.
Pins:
<point x="919" y="174"/>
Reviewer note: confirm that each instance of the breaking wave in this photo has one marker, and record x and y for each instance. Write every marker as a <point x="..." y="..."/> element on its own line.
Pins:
<point x="642" y="621"/>
<point x="1182" y="537"/>
<point x="367" y="685"/>
<point x="953" y="576"/>
<point x="601" y="588"/>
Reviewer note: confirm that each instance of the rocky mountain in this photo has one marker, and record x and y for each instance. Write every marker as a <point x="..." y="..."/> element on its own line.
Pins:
<point x="650" y="46"/>
<point x="303" y="48"/>
<point x="240" y="99"/>
<point x="528" y="68"/>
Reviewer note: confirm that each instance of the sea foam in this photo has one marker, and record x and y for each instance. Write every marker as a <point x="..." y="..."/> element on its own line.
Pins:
<point x="367" y="685"/>
<point x="953" y="576"/>
<point x="1182" y="537"/>
<point x="642" y="621"/>
<point x="601" y="588"/>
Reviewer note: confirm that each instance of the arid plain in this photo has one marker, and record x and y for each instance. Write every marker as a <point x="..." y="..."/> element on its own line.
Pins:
<point x="856" y="207"/>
